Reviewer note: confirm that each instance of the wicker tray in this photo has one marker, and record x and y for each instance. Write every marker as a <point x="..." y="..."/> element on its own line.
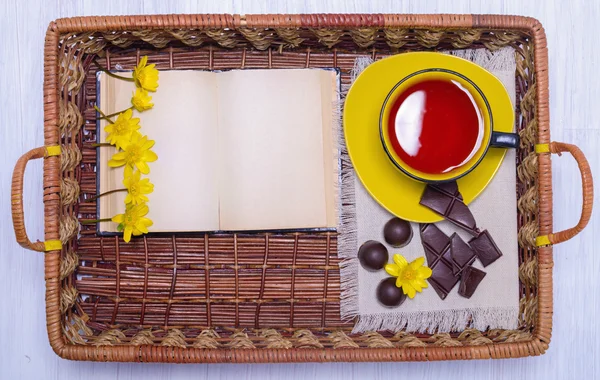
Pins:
<point x="258" y="297"/>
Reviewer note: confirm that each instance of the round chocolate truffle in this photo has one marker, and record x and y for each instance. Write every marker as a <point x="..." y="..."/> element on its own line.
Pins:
<point x="388" y="294"/>
<point x="397" y="232"/>
<point x="373" y="255"/>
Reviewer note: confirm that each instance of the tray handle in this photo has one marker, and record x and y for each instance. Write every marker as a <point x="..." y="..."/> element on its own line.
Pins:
<point x="588" y="192"/>
<point x="16" y="200"/>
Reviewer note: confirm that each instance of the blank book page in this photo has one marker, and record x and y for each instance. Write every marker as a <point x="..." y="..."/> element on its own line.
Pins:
<point x="271" y="150"/>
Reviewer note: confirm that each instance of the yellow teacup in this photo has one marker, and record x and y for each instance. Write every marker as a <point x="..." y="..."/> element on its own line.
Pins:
<point x="403" y="128"/>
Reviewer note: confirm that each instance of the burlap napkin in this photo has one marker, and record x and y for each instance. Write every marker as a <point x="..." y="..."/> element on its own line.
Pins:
<point x="495" y="304"/>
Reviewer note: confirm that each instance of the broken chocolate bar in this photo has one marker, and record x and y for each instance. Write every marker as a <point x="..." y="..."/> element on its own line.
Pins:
<point x="445" y="200"/>
<point x="485" y="248"/>
<point x="437" y="245"/>
<point x="448" y="258"/>
<point x="469" y="281"/>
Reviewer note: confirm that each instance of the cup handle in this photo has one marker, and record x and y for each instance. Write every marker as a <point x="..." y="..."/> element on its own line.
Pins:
<point x="504" y="140"/>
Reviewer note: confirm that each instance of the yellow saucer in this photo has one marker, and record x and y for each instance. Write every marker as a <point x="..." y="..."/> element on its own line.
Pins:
<point x="394" y="190"/>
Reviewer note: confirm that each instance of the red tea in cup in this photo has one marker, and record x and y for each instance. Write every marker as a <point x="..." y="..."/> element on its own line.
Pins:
<point x="435" y="126"/>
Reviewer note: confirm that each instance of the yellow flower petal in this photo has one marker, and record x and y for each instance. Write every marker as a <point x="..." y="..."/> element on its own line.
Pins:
<point x="146" y="187"/>
<point x="136" y="137"/>
<point x="400" y="261"/>
<point x="136" y="176"/>
<point x="151" y="85"/>
<point x="417" y="263"/>
<point x="128" y="170"/>
<point x="392" y="269"/>
<point x="416" y="285"/>
<point x="127" y="233"/>
<point x="143" y="210"/>
<point x="137" y="232"/>
<point x="115" y="164"/>
<point x="147" y="222"/>
<point x="142" y="228"/>
<point x="409" y="290"/>
<point x="130" y="179"/>
<point x="142" y="167"/>
<point x="419" y="284"/>
<point x="149" y="156"/>
<point x="118" y="218"/>
<point x="119" y="156"/>
<point x="399" y="282"/>
<point x="423" y="273"/>
<point x="148" y="144"/>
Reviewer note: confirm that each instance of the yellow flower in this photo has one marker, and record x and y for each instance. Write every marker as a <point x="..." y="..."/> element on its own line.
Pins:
<point x="133" y="221"/>
<point x="119" y="132"/>
<point x="136" y="153"/>
<point x="410" y="276"/>
<point x="136" y="188"/>
<point x="141" y="100"/>
<point x="145" y="77"/>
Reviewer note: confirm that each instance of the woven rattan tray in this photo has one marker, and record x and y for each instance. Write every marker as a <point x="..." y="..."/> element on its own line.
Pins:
<point x="258" y="297"/>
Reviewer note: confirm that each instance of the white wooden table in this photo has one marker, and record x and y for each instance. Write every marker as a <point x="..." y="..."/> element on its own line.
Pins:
<point x="575" y="92"/>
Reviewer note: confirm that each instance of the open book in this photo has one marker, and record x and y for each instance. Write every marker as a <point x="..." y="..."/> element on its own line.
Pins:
<point x="237" y="150"/>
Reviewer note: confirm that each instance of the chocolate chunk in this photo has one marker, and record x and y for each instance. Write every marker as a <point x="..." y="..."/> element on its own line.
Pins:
<point x="449" y="188"/>
<point x="462" y="255"/>
<point x="388" y="294"/>
<point x="436" y="240"/>
<point x="397" y="232"/>
<point x="373" y="255"/>
<point x="445" y="200"/>
<point x="485" y="248"/>
<point x="438" y="253"/>
<point x="469" y="281"/>
<point x="443" y="279"/>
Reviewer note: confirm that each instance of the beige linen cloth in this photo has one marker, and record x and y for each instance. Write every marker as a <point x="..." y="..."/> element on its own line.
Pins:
<point x="495" y="303"/>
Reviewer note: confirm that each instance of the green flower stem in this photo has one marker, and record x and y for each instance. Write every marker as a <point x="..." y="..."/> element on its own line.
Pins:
<point x="104" y="116"/>
<point x="84" y="222"/>
<point x="100" y="144"/>
<point x="111" y="74"/>
<point x="103" y="194"/>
